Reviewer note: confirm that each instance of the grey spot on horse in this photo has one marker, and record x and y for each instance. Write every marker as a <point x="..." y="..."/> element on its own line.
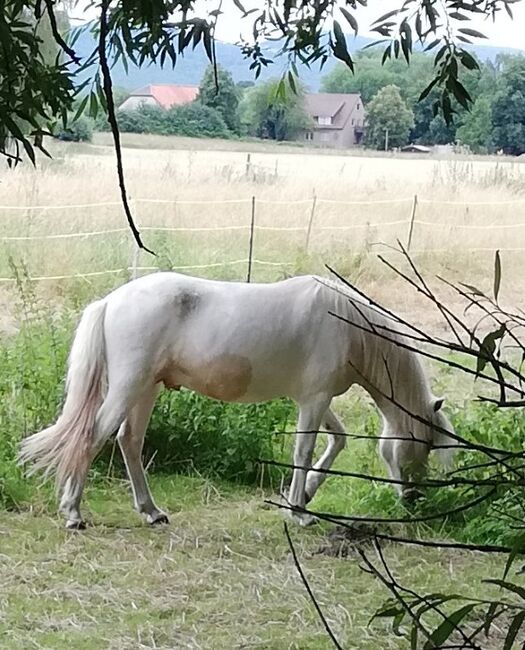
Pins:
<point x="187" y="301"/>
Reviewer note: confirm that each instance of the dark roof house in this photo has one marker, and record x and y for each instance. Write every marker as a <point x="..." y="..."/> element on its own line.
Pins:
<point x="163" y="95"/>
<point x="337" y="119"/>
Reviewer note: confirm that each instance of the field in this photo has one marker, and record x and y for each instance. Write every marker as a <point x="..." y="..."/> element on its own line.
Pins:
<point x="221" y="575"/>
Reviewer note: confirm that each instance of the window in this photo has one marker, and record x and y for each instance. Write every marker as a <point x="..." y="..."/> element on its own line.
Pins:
<point x="353" y="121"/>
<point x="358" y="106"/>
<point x="324" y="120"/>
<point x="309" y="135"/>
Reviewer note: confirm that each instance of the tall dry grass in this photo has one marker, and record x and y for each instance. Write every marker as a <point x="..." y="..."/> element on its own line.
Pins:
<point x="466" y="209"/>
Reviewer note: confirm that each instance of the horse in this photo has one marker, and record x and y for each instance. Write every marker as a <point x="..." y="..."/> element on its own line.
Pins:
<point x="304" y="338"/>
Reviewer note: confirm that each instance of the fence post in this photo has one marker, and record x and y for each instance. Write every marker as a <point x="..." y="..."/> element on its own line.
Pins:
<point x="250" y="250"/>
<point x="310" y="223"/>
<point x="412" y="218"/>
<point x="248" y="164"/>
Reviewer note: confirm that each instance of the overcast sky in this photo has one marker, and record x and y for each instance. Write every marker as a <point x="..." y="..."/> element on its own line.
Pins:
<point x="504" y="32"/>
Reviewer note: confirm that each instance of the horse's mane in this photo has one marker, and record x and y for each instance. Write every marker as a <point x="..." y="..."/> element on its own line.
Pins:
<point x="387" y="355"/>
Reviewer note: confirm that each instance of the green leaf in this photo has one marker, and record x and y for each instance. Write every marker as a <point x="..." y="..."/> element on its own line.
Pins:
<point x="488" y="347"/>
<point x="491" y="614"/>
<point x="497" y="275"/>
<point x="291" y="81"/>
<point x="93" y="104"/>
<point x="472" y="289"/>
<point x="471" y="32"/>
<point x="81" y="108"/>
<point x="351" y="20"/>
<point x="445" y="629"/>
<point x="509" y="586"/>
<point x="514" y="628"/>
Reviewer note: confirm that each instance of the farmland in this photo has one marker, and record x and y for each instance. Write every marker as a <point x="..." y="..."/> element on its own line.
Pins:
<point x="221" y="574"/>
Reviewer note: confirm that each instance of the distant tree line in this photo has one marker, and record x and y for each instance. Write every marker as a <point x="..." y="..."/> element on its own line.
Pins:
<point x="391" y="92"/>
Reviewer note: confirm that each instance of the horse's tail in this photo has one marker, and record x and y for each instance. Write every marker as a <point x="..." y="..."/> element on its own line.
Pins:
<point x="65" y="448"/>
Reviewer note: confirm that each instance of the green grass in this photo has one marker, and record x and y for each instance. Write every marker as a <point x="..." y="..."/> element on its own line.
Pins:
<point x="219" y="576"/>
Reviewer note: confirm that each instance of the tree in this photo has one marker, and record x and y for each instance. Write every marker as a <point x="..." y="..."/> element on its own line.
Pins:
<point x="220" y="93"/>
<point x="508" y="107"/>
<point x="388" y="113"/>
<point x="267" y="112"/>
<point x="476" y="131"/>
<point x="33" y="89"/>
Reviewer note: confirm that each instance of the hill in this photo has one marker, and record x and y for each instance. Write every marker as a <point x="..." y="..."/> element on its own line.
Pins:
<point x="191" y="66"/>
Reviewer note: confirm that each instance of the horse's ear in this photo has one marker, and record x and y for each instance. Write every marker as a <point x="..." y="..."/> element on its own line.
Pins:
<point x="438" y="403"/>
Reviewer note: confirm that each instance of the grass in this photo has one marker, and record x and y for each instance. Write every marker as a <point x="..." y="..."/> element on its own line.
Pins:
<point x="220" y="576"/>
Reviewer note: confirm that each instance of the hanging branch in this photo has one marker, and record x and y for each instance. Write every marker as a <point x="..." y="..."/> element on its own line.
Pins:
<point x="112" y="119"/>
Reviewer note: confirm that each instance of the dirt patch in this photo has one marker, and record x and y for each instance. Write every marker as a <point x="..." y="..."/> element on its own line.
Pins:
<point x="345" y="540"/>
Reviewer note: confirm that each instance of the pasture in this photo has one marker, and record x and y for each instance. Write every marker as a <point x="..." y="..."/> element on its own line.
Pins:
<point x="221" y="575"/>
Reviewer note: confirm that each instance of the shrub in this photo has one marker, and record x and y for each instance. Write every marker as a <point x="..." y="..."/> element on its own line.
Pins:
<point x="81" y="130"/>
<point x="196" y="120"/>
<point x="145" y="119"/>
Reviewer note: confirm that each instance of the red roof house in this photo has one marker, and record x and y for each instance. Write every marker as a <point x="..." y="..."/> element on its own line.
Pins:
<point x="163" y="95"/>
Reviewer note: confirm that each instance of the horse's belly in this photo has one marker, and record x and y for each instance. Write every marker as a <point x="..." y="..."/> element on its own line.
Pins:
<point x="225" y="377"/>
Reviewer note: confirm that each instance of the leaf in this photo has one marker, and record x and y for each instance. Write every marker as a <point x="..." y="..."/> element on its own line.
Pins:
<point x="471" y="32"/>
<point x="427" y="90"/>
<point x="514" y="628"/>
<point x="488" y="346"/>
<point x="386" y="16"/>
<point x="491" y="614"/>
<point x="445" y="629"/>
<point x="517" y="549"/>
<point x="473" y="289"/>
<point x="457" y="16"/>
<point x="81" y="108"/>
<point x="291" y="81"/>
<point x="340" y="50"/>
<point x="509" y="586"/>
<point x="497" y="275"/>
<point x="351" y="20"/>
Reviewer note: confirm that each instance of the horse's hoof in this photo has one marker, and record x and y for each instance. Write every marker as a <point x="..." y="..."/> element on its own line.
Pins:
<point x="75" y="525"/>
<point x="412" y="494"/>
<point x="158" y="519"/>
<point x="302" y="519"/>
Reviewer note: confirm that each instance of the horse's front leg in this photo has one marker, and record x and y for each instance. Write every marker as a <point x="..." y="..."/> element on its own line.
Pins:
<point x="336" y="443"/>
<point x="308" y="423"/>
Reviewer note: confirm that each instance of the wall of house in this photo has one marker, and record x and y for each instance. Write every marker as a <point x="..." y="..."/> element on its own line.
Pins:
<point x="343" y="138"/>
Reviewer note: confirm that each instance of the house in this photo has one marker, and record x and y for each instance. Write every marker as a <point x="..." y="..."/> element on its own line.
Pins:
<point x="338" y="119"/>
<point x="415" y="148"/>
<point x="163" y="95"/>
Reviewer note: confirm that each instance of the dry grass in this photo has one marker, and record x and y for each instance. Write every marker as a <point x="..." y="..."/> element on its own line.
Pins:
<point x="345" y="234"/>
<point x="220" y="576"/>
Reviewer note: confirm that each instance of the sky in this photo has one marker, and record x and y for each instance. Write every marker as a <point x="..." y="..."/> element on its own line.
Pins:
<point x="503" y="32"/>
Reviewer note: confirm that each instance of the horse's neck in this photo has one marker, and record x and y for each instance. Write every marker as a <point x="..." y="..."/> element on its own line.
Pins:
<point x="395" y="379"/>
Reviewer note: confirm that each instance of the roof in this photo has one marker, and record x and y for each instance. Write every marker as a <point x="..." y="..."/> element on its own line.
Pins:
<point x="167" y="95"/>
<point x="415" y="148"/>
<point x="338" y="106"/>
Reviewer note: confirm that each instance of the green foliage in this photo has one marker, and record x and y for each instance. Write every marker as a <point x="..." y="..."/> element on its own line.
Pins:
<point x="508" y="107"/>
<point x="476" y="131"/>
<point x="267" y="112"/>
<point x="222" y="95"/>
<point x="194" y="120"/>
<point x="81" y="130"/>
<point x="388" y="112"/>
<point x="189" y="433"/>
<point x="32" y="89"/>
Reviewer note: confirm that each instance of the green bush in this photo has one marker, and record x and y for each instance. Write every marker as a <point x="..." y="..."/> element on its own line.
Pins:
<point x="194" y="120"/>
<point x="81" y="130"/>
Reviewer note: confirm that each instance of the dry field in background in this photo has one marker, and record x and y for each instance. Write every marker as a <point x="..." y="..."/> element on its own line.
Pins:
<point x="469" y="208"/>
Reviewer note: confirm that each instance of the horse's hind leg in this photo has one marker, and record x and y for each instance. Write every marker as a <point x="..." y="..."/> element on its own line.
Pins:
<point x="118" y="402"/>
<point x="310" y="416"/>
<point x="131" y="440"/>
<point x="336" y="443"/>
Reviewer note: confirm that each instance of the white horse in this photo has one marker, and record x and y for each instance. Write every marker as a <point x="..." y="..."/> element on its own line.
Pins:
<point x="235" y="342"/>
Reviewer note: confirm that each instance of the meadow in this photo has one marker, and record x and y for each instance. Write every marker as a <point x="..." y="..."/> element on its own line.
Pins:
<point x="221" y="574"/>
